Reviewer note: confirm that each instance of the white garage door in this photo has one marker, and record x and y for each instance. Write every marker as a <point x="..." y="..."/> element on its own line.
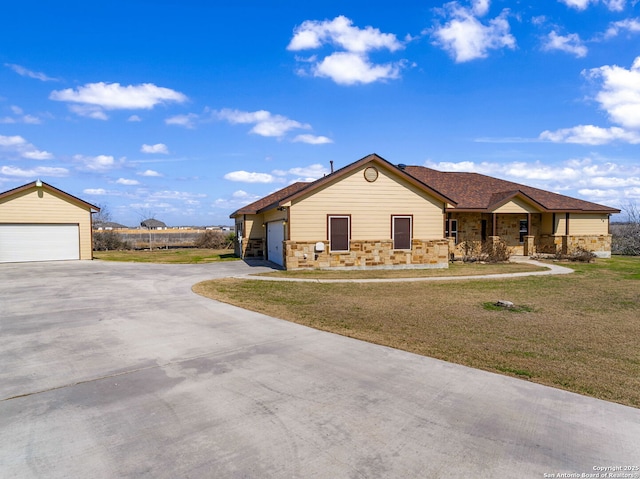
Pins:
<point x="275" y="237"/>
<point x="33" y="242"/>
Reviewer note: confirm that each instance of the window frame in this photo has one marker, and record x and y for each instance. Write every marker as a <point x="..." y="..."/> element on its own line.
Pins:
<point x="450" y="223"/>
<point x="329" y="233"/>
<point x="523" y="232"/>
<point x="393" y="231"/>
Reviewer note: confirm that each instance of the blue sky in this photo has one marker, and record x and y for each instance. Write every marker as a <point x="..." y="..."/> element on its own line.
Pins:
<point x="186" y="110"/>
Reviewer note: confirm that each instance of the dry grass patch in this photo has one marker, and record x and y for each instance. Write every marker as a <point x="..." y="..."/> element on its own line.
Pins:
<point x="181" y="256"/>
<point x="577" y="332"/>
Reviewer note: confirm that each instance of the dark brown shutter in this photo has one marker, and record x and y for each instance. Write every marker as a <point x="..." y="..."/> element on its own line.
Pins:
<point x="339" y="234"/>
<point x="401" y="233"/>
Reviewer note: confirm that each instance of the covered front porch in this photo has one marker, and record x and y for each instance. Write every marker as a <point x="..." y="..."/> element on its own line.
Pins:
<point x="527" y="233"/>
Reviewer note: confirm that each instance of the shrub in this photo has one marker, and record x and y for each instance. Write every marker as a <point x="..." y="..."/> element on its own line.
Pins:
<point x="213" y="240"/>
<point x="108" y="241"/>
<point x="579" y="254"/>
<point x="626" y="239"/>
<point x="487" y="251"/>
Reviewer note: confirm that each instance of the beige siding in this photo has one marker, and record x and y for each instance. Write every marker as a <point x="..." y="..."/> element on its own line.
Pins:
<point x="40" y="205"/>
<point x="561" y="224"/>
<point x="274" y="215"/>
<point x="546" y="226"/>
<point x="370" y="205"/>
<point x="517" y="205"/>
<point x="253" y="226"/>
<point x="588" y="224"/>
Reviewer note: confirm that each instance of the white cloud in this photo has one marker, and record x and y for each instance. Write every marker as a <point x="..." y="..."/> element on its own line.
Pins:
<point x="570" y="44"/>
<point x="176" y="195"/>
<point x="352" y="65"/>
<point x="292" y="175"/>
<point x="312" y="139"/>
<point x="89" y="111"/>
<point x="466" y="38"/>
<point x="37" y="155"/>
<point x="20" y="117"/>
<point x="619" y="96"/>
<point x="157" y="148"/>
<point x="265" y="123"/>
<point x="12" y="141"/>
<point x="20" y="70"/>
<point x="40" y="171"/>
<point x="620" y="93"/>
<point x="341" y="32"/>
<point x="577" y="4"/>
<point x="590" y="135"/>
<point x="93" y="98"/>
<point x="94" y="191"/>
<point x="150" y="173"/>
<point x="134" y="118"/>
<point x="613" y="5"/>
<point x="127" y="182"/>
<point x="19" y="147"/>
<point x="188" y="121"/>
<point x="616" y="5"/>
<point x="480" y="7"/>
<point x="631" y="25"/>
<point x="309" y="173"/>
<point x="250" y="177"/>
<point x="97" y="163"/>
<point x="346" y="68"/>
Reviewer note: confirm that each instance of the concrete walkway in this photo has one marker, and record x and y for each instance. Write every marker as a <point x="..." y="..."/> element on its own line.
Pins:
<point x="550" y="268"/>
<point x="120" y="370"/>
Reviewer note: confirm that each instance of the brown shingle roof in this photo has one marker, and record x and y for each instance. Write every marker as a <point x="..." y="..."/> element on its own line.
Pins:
<point x="465" y="191"/>
<point x="473" y="191"/>
<point x="271" y="199"/>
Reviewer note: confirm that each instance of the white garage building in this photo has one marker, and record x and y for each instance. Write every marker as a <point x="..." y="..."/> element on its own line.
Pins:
<point x="41" y="223"/>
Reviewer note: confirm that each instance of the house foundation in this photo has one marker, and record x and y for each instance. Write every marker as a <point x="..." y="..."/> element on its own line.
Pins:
<point x="369" y="254"/>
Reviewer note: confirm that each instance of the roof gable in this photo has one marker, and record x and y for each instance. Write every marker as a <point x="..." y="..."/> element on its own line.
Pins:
<point x="298" y="190"/>
<point x="269" y="201"/>
<point x="373" y="159"/>
<point x="34" y="185"/>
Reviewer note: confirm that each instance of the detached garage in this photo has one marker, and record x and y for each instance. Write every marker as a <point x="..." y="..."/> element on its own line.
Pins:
<point x="41" y="223"/>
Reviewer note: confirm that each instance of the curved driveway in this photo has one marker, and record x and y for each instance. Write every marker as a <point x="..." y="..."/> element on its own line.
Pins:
<point x="119" y="370"/>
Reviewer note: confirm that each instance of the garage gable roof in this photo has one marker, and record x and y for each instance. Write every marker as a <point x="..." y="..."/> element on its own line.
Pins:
<point x="53" y="189"/>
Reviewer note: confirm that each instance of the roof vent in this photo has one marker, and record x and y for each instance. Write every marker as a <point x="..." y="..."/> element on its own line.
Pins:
<point x="402" y="166"/>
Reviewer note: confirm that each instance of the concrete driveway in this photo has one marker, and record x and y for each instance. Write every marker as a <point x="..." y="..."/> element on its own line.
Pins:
<point x="119" y="370"/>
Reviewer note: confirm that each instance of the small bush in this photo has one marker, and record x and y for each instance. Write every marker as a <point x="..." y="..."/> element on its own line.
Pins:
<point x="579" y="255"/>
<point x="108" y="241"/>
<point x="214" y="240"/>
<point x="486" y="252"/>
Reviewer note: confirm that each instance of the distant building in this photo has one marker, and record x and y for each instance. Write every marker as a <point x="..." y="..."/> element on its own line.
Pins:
<point x="153" y="224"/>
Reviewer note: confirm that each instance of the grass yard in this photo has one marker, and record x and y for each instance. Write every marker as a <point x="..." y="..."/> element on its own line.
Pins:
<point x="579" y="332"/>
<point x="182" y="256"/>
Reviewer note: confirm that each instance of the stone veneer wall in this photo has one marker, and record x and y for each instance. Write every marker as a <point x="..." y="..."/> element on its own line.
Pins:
<point x="368" y="254"/>
<point x="599" y="244"/>
<point x="252" y="248"/>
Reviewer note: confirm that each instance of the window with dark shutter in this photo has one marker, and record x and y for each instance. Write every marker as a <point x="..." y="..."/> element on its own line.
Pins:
<point x="401" y="232"/>
<point x="339" y="233"/>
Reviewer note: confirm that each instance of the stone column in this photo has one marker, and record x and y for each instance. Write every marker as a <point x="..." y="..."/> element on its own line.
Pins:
<point x="529" y="245"/>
